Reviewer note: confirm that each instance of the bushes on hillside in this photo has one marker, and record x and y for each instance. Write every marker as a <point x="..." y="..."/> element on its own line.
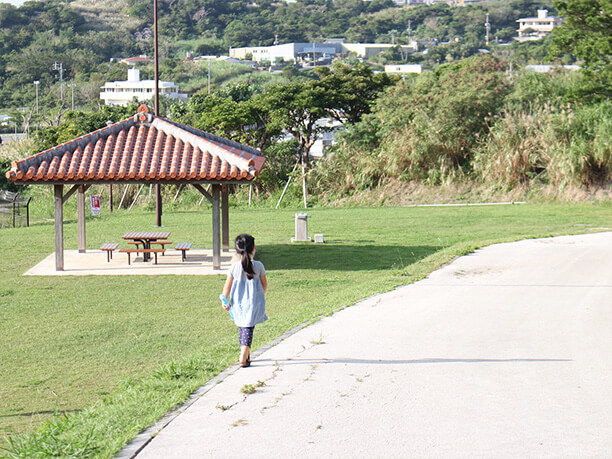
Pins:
<point x="469" y="121"/>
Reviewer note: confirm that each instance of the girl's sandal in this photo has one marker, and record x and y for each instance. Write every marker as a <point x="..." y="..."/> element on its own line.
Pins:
<point x="247" y="363"/>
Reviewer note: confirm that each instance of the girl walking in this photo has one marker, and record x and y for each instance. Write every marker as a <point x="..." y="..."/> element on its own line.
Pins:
<point x="245" y="288"/>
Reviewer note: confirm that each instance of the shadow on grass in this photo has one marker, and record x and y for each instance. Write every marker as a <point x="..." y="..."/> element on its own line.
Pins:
<point x="337" y="257"/>
<point x="37" y="413"/>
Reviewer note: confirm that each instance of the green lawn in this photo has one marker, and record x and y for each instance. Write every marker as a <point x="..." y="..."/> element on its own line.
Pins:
<point x="116" y="353"/>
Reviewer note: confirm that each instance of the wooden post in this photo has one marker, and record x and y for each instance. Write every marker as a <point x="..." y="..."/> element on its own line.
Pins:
<point x="225" y="217"/>
<point x="158" y="205"/>
<point x="59" y="227"/>
<point x="81" y="218"/>
<point x="110" y="198"/>
<point x="216" y="191"/>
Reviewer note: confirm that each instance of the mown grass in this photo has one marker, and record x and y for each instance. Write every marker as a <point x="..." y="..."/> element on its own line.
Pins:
<point x="88" y="362"/>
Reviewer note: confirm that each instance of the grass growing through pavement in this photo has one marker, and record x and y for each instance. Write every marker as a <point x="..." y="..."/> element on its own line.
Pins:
<point x="88" y="362"/>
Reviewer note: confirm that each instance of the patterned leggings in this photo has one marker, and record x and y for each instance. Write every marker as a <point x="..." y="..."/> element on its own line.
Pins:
<point x="245" y="335"/>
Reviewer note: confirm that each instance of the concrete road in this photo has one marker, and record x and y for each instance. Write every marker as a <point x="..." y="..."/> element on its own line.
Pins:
<point x="502" y="353"/>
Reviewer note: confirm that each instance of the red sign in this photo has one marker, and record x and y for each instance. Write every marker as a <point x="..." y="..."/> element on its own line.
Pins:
<point x="95" y="205"/>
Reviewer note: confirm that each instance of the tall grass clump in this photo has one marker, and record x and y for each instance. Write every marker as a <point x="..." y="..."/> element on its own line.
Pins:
<point x="559" y="147"/>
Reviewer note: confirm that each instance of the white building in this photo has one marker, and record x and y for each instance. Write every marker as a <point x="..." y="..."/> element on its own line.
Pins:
<point x="543" y="68"/>
<point x="368" y="50"/>
<point x="124" y="92"/>
<point x="536" y="28"/>
<point x="322" y="51"/>
<point x="403" y="68"/>
<point x="286" y="52"/>
<point x="5" y="120"/>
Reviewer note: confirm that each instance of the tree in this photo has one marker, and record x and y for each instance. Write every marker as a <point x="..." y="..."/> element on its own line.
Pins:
<point x="352" y="89"/>
<point x="587" y="34"/>
<point x="298" y="107"/>
<point x="426" y="129"/>
<point x="78" y="123"/>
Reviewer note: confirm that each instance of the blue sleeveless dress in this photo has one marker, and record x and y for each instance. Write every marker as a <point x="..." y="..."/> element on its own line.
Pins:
<point x="247" y="295"/>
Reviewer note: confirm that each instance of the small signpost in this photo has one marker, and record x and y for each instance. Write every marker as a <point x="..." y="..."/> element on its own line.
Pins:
<point x="95" y="205"/>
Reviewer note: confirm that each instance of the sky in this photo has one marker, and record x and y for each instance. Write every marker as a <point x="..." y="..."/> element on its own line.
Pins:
<point x="14" y="2"/>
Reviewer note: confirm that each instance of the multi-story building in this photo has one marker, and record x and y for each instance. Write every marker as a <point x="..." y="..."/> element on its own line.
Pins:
<point x="124" y="92"/>
<point x="536" y="28"/>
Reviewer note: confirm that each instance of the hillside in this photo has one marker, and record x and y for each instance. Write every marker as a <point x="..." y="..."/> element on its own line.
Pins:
<point x="106" y="14"/>
<point x="84" y="35"/>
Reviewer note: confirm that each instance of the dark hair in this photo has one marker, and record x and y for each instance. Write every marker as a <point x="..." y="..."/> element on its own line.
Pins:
<point x="245" y="243"/>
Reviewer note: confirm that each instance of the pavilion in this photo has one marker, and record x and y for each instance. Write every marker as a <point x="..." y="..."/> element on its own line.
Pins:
<point x="143" y="149"/>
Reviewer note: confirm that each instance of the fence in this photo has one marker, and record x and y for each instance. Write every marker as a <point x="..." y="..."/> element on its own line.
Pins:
<point x="14" y="209"/>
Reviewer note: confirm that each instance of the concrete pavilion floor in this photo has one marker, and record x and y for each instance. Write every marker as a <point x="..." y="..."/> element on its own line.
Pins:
<point x="93" y="263"/>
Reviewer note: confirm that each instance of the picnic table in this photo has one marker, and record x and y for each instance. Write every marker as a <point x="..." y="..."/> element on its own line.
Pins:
<point x="145" y="238"/>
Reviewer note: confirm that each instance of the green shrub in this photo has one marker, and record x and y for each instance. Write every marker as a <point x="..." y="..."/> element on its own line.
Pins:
<point x="567" y="146"/>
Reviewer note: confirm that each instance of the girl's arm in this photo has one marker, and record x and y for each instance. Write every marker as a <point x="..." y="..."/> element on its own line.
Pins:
<point x="227" y="288"/>
<point x="264" y="282"/>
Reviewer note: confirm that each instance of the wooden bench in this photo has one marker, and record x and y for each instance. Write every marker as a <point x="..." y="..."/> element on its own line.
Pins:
<point x="153" y="251"/>
<point x="163" y="243"/>
<point x="109" y="248"/>
<point x="136" y="243"/>
<point x="183" y="247"/>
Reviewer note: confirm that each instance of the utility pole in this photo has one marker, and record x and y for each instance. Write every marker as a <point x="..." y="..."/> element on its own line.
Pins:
<point x="409" y="29"/>
<point x="488" y="29"/>
<point x="209" y="75"/>
<point x="60" y="67"/>
<point x="158" y="199"/>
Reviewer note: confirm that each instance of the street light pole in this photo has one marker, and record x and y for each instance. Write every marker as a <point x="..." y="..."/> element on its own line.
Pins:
<point x="72" y="85"/>
<point x="36" y="83"/>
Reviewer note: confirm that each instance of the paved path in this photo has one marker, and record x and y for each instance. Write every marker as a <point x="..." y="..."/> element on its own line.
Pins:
<point x="503" y="353"/>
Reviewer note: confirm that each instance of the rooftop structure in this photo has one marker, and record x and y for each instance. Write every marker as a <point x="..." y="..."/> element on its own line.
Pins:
<point x="124" y="92"/>
<point x="142" y="148"/>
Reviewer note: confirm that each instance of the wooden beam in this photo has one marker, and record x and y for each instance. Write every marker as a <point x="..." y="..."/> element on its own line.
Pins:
<point x="216" y="222"/>
<point x="206" y="194"/>
<point x="71" y="191"/>
<point x="59" y="227"/>
<point x="225" y="217"/>
<point x="81" y="218"/>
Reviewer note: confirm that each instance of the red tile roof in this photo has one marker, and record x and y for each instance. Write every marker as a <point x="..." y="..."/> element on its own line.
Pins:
<point x="143" y="148"/>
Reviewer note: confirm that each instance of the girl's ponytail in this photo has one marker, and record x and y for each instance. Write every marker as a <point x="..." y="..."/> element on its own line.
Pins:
<point x="245" y="243"/>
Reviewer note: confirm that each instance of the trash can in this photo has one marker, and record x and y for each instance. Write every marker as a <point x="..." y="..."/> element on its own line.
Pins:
<point x="301" y="228"/>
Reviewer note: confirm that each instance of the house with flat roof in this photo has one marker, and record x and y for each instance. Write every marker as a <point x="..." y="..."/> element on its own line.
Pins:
<point x="307" y="52"/>
<point x="124" y="92"/>
<point x="287" y="52"/>
<point x="538" y="27"/>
